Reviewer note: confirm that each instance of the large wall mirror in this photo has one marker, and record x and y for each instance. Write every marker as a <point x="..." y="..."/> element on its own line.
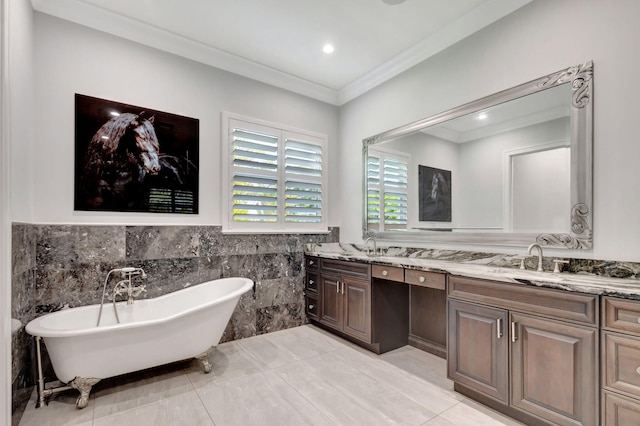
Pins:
<point x="508" y="169"/>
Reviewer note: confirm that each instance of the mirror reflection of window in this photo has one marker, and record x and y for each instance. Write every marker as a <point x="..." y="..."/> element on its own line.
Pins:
<point x="387" y="190"/>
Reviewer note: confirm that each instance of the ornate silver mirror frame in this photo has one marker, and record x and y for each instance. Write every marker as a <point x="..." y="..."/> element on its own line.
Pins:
<point x="580" y="79"/>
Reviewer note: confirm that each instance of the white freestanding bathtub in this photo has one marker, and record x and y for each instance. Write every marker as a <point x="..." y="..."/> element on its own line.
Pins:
<point x="177" y="326"/>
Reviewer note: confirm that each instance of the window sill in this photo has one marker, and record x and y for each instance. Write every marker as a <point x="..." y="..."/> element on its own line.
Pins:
<point x="276" y="231"/>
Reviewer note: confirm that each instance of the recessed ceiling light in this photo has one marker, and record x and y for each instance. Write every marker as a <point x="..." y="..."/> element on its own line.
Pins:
<point x="393" y="2"/>
<point x="328" y="48"/>
<point x="482" y="116"/>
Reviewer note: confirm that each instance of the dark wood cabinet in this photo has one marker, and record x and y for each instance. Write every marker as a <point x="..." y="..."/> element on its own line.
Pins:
<point x="311" y="288"/>
<point x="507" y="352"/>
<point x="554" y="369"/>
<point x="343" y="297"/>
<point x="345" y="305"/>
<point x="358" y="303"/>
<point x="357" y="308"/>
<point x="621" y="362"/>
<point x="478" y="348"/>
<point x="331" y="309"/>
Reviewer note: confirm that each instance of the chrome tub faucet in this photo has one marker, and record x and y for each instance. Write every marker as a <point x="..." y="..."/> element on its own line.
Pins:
<point x="124" y="286"/>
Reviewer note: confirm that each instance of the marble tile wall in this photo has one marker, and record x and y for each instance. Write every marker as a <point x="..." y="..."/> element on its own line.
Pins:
<point x="23" y="272"/>
<point x="55" y="266"/>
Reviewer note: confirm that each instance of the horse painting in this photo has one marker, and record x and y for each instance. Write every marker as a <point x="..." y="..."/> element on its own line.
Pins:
<point x="122" y="154"/>
<point x="132" y="161"/>
<point x="434" y="192"/>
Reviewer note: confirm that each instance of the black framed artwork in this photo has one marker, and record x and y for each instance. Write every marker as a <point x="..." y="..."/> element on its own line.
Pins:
<point x="434" y="186"/>
<point x="134" y="159"/>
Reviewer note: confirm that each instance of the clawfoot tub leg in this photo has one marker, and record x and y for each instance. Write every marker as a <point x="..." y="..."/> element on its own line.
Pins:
<point x="83" y="385"/>
<point x="204" y="360"/>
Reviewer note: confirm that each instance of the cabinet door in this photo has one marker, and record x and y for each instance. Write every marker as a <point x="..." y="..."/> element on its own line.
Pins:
<point x="331" y="309"/>
<point x="478" y="348"/>
<point x="357" y="308"/>
<point x="554" y="370"/>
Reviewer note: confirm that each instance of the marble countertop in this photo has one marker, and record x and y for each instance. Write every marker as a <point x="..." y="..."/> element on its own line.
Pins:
<point x="497" y="267"/>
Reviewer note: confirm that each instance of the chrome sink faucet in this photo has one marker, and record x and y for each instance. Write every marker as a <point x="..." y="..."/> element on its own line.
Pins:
<point x="375" y="248"/>
<point x="539" y="254"/>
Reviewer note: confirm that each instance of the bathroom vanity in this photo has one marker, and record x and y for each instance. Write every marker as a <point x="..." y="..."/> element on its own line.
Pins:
<point x="524" y="350"/>
<point x="357" y="301"/>
<point x="543" y="348"/>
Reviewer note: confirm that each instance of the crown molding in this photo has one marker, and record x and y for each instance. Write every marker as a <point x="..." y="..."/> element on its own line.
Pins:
<point x="95" y="17"/>
<point x="475" y="20"/>
<point x="112" y="23"/>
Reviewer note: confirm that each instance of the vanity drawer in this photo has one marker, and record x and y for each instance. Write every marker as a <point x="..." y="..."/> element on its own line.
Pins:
<point x="311" y="263"/>
<point x="621" y="367"/>
<point x="560" y="304"/>
<point x="619" y="410"/>
<point x="425" y="279"/>
<point x="343" y="267"/>
<point x="621" y="314"/>
<point x="311" y="308"/>
<point x="311" y="284"/>
<point x="390" y="273"/>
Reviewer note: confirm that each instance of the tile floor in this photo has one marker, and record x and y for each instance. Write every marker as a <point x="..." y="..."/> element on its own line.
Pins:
<point x="300" y="376"/>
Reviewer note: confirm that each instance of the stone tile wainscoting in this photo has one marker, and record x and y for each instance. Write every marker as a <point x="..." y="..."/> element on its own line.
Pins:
<point x="57" y="266"/>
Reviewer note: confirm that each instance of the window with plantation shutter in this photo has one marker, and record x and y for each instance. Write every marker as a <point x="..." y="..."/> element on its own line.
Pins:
<point x="303" y="181"/>
<point x="387" y="190"/>
<point x="275" y="177"/>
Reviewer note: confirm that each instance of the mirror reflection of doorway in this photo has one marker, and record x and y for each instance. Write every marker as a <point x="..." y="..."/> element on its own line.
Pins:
<point x="540" y="191"/>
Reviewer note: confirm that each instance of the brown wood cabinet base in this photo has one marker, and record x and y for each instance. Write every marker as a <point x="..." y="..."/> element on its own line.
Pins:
<point x="427" y="346"/>
<point x="390" y="321"/>
<point x="375" y="347"/>
<point x="369" y="308"/>
<point x="498" y="406"/>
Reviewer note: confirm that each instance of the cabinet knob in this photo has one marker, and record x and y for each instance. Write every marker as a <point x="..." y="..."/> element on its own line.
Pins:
<point x="311" y="307"/>
<point x="385" y="273"/>
<point x="421" y="278"/>
<point x="310" y="282"/>
<point x="311" y="262"/>
<point x="638" y="320"/>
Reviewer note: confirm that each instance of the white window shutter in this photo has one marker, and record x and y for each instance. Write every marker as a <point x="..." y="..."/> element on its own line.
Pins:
<point x="387" y="190"/>
<point x="254" y="177"/>
<point x="274" y="177"/>
<point x="303" y="181"/>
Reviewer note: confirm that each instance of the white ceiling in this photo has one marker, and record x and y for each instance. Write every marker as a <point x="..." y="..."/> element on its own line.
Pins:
<point x="280" y="42"/>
